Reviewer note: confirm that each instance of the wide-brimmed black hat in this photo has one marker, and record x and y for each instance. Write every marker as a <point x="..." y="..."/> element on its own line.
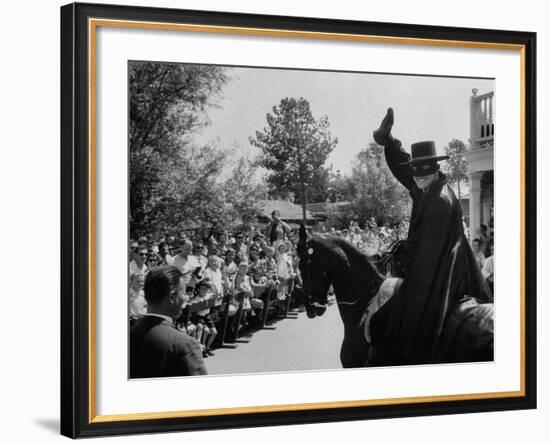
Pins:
<point x="424" y="151"/>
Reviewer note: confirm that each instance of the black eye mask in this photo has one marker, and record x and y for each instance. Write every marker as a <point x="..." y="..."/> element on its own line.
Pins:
<point x="424" y="169"/>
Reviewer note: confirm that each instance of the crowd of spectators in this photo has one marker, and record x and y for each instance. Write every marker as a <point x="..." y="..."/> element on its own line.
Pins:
<point x="373" y="240"/>
<point x="483" y="248"/>
<point x="249" y="270"/>
<point x="245" y="272"/>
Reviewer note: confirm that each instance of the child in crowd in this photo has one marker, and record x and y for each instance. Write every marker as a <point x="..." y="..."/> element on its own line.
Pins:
<point x="213" y="274"/>
<point x="256" y="271"/>
<point x="284" y="270"/>
<point x="199" y="254"/>
<point x="185" y="325"/>
<point x="243" y="290"/>
<point x="230" y="267"/>
<point x="270" y="265"/>
<point x="257" y="278"/>
<point x="205" y="290"/>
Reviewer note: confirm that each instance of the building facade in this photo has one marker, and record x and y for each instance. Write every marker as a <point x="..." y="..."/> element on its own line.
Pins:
<point x="480" y="158"/>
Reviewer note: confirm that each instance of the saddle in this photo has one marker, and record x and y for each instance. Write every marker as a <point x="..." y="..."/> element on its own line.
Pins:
<point x="389" y="287"/>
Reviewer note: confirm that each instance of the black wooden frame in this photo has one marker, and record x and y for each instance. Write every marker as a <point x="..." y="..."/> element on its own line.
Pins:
<point x="75" y="219"/>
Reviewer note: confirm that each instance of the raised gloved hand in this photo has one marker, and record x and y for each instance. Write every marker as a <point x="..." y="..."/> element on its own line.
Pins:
<point x="382" y="135"/>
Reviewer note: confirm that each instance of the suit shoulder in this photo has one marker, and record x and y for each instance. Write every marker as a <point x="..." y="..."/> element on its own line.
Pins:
<point x="179" y="338"/>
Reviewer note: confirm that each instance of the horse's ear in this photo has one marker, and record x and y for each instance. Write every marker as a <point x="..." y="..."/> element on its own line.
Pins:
<point x="302" y="234"/>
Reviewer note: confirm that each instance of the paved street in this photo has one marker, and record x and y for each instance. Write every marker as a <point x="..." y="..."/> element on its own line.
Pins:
<point x="294" y="343"/>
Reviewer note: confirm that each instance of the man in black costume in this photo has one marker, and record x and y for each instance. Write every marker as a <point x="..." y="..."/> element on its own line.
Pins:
<point x="440" y="268"/>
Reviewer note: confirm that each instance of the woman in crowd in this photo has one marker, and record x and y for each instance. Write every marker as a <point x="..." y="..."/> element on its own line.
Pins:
<point x="137" y="305"/>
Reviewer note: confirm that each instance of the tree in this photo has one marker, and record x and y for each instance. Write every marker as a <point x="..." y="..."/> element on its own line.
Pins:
<point x="168" y="100"/>
<point x="210" y="188"/>
<point x="167" y="106"/>
<point x="241" y="192"/>
<point x="376" y="192"/>
<point x="341" y="187"/>
<point x="294" y="146"/>
<point x="175" y="183"/>
<point x="456" y="167"/>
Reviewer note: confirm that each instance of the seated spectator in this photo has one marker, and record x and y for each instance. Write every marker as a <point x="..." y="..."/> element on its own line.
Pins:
<point x="134" y="245"/>
<point x="137" y="306"/>
<point x="223" y="243"/>
<point x="173" y="245"/>
<point x="256" y="267"/>
<point x="243" y="290"/>
<point x="137" y="264"/>
<point x="153" y="260"/>
<point x="240" y="246"/>
<point x="200" y="254"/>
<point x="157" y="347"/>
<point x="483" y="237"/>
<point x="488" y="268"/>
<point x="478" y="254"/>
<point x="230" y="265"/>
<point x="187" y="264"/>
<point x="163" y="252"/>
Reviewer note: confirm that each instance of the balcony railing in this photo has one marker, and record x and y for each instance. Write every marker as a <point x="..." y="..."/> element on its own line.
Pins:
<point x="482" y="126"/>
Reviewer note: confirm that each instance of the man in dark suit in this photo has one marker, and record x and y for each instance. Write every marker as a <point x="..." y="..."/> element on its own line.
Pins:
<point x="157" y="347"/>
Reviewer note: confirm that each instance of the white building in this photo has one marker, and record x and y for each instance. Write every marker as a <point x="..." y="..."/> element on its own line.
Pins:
<point x="480" y="160"/>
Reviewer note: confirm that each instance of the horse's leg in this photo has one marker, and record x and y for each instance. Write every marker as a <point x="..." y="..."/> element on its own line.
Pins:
<point x="354" y="350"/>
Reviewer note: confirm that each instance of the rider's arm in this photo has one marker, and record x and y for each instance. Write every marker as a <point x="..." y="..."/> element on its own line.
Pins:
<point x="395" y="157"/>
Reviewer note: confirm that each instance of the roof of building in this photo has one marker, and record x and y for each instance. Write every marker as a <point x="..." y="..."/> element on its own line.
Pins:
<point x="322" y="208"/>
<point x="287" y="210"/>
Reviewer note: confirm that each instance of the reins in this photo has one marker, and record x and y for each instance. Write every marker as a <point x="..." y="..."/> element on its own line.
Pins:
<point x="372" y="289"/>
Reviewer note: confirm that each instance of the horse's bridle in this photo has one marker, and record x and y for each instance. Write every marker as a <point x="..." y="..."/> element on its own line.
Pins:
<point x="312" y="300"/>
<point x="373" y="287"/>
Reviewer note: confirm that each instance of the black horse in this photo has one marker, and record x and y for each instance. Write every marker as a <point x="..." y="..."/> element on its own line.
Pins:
<point x="326" y="260"/>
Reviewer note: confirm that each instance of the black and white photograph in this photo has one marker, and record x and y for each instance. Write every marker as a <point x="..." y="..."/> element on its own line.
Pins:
<point x="271" y="221"/>
<point x="289" y="220"/>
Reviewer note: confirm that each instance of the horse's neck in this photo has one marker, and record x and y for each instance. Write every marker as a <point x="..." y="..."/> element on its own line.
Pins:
<point x="359" y="282"/>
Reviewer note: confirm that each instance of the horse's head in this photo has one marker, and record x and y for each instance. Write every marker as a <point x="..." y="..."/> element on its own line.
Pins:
<point x="315" y="271"/>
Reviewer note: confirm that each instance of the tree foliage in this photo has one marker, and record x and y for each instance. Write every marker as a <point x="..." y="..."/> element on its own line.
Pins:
<point x="373" y="191"/>
<point x="173" y="182"/>
<point x="294" y="146"/>
<point x="456" y="167"/>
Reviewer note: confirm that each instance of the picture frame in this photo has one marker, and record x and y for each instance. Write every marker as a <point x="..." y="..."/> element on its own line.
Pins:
<point x="80" y="242"/>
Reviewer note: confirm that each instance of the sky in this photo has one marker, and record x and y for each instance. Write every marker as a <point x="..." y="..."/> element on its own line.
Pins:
<point x="425" y="108"/>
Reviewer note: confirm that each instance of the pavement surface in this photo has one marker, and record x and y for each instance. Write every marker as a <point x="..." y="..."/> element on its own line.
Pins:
<point x="290" y="344"/>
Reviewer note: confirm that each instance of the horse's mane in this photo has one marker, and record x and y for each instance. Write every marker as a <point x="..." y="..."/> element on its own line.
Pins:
<point x="351" y="252"/>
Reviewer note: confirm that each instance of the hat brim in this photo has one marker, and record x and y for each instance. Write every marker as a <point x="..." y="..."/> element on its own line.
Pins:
<point x="425" y="158"/>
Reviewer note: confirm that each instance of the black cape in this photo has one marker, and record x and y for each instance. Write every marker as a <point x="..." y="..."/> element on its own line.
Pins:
<point x="440" y="270"/>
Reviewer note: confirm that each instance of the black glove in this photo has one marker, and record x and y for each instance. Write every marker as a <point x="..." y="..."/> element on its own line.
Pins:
<point x="382" y="135"/>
